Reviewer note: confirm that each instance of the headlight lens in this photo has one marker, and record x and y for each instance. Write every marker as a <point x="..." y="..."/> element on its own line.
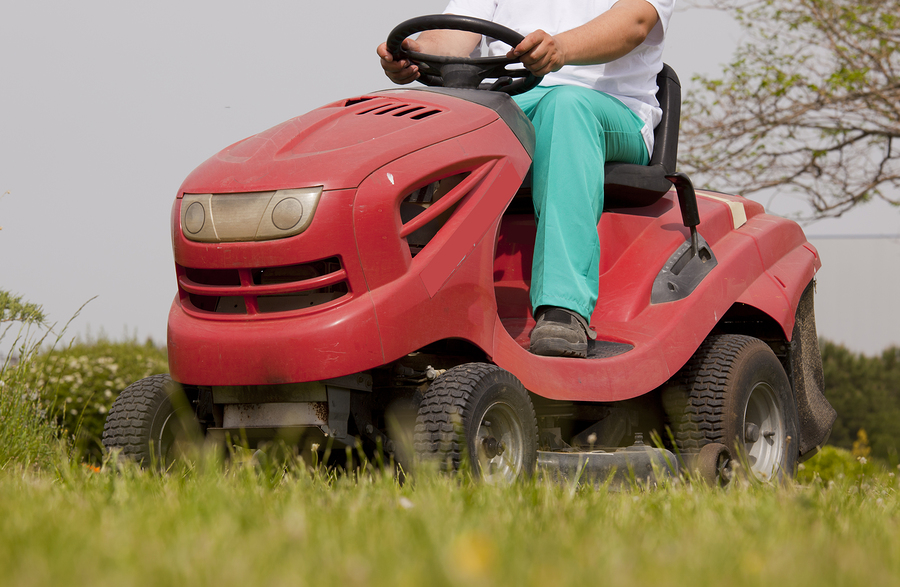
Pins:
<point x="254" y="216"/>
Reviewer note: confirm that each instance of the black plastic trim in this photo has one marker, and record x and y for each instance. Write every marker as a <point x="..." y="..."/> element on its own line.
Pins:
<point x="500" y="103"/>
<point x="683" y="272"/>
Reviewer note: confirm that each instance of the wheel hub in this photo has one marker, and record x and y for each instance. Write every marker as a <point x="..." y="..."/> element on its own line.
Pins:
<point x="764" y="437"/>
<point x="492" y="447"/>
<point x="500" y="444"/>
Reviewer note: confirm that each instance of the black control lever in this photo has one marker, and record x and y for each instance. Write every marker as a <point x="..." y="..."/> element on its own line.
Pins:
<point x="687" y="201"/>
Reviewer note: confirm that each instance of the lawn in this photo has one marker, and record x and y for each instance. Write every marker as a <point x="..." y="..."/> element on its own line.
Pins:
<point x="66" y="521"/>
<point x="240" y="524"/>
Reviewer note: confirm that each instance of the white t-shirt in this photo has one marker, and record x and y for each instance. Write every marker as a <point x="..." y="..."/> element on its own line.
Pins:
<point x="631" y="79"/>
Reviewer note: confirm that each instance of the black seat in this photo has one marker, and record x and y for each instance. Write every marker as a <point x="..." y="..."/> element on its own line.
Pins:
<point x="629" y="186"/>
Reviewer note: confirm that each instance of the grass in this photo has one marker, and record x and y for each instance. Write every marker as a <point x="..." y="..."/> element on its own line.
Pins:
<point x="239" y="524"/>
<point x="64" y="521"/>
<point x="28" y="436"/>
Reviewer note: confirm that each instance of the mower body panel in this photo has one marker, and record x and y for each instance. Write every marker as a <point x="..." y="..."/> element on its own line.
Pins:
<point x="469" y="282"/>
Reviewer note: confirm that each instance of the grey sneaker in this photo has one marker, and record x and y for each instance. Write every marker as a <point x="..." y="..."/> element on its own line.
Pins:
<point x="560" y="333"/>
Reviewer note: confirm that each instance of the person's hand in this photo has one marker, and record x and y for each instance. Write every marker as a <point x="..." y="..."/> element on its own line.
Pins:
<point x="403" y="71"/>
<point x="540" y="52"/>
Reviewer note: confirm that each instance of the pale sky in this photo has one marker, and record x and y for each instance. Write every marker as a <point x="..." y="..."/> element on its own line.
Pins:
<point x="108" y="105"/>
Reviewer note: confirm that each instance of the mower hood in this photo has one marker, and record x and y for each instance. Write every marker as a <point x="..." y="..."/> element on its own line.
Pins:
<point x="340" y="144"/>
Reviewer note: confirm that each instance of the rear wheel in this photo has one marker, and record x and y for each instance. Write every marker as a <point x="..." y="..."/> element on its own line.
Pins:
<point x="734" y="391"/>
<point x="150" y="422"/>
<point x="480" y="412"/>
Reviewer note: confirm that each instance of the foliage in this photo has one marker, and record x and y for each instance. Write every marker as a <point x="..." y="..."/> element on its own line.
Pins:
<point x="239" y="524"/>
<point x="27" y="436"/>
<point x="82" y="381"/>
<point x="861" y="448"/>
<point x="13" y="309"/>
<point x="865" y="391"/>
<point x="808" y="104"/>
<point x="832" y="464"/>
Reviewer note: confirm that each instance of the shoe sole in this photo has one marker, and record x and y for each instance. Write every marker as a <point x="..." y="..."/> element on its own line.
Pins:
<point x="558" y="347"/>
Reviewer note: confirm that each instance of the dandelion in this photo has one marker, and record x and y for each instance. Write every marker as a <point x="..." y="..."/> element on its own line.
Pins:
<point x="862" y="460"/>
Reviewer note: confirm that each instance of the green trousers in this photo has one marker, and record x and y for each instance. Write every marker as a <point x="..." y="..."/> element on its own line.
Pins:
<point x="577" y="129"/>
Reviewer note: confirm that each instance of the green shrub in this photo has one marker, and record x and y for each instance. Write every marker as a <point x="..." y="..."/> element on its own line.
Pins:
<point x="81" y="382"/>
<point x="836" y="464"/>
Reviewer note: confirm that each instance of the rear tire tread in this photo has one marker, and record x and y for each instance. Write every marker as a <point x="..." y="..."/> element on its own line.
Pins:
<point x="699" y="415"/>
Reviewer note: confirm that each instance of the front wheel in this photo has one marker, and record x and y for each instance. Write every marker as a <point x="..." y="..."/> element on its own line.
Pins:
<point x="480" y="412"/>
<point x="150" y="422"/>
<point x="734" y="391"/>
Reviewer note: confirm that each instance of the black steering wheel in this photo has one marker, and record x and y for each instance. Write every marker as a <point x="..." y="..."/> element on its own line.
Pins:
<point x="463" y="72"/>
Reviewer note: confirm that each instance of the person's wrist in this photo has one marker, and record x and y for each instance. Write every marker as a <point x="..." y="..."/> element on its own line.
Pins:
<point x="561" y="54"/>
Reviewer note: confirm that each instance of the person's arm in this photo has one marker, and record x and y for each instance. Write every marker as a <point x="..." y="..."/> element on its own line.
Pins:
<point x="613" y="34"/>
<point x="439" y="42"/>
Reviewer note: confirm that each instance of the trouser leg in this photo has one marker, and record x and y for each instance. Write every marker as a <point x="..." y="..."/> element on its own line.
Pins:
<point x="577" y="130"/>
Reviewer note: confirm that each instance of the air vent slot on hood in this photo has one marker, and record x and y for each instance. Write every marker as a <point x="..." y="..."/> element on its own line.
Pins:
<point x="400" y="110"/>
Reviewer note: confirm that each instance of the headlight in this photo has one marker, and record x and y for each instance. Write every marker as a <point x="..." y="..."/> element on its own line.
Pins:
<point x="256" y="216"/>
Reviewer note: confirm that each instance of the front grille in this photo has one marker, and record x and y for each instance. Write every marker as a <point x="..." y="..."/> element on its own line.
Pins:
<point x="262" y="291"/>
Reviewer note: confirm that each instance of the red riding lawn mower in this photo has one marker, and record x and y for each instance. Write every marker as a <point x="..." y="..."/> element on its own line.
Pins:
<point x="368" y="263"/>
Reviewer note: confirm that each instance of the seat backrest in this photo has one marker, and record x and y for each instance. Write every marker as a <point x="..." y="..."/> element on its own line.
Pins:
<point x="665" y="147"/>
<point x="627" y="185"/>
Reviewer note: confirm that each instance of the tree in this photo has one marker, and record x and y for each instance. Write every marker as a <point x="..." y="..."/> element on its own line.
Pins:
<point x="13" y="309"/>
<point x="810" y="103"/>
<point x="865" y="391"/>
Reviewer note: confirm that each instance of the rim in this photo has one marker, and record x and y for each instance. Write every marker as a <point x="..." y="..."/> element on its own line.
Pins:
<point x="166" y="442"/>
<point x="499" y="444"/>
<point x="172" y="432"/>
<point x="764" y="437"/>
